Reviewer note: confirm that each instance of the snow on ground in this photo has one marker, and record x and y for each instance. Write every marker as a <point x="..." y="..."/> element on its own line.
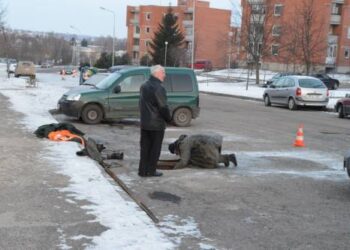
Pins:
<point x="129" y="227"/>
<point x="265" y="74"/>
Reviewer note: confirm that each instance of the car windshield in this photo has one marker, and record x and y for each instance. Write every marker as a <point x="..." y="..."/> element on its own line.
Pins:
<point x="95" y="79"/>
<point x="276" y="76"/>
<point x="108" y="81"/>
<point x="311" y="83"/>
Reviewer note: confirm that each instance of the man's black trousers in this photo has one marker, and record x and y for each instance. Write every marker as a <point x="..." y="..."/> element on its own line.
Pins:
<point x="151" y="145"/>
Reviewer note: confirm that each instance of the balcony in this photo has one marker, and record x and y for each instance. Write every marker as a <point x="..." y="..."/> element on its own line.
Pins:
<point x="135" y="48"/>
<point x="332" y="39"/>
<point x="335" y="19"/>
<point x="256" y="1"/>
<point x="189" y="10"/>
<point x="189" y="38"/>
<point x="136" y="35"/>
<point x="330" y="60"/>
<point x="135" y="10"/>
<point x="257" y="18"/>
<point x="187" y="23"/>
<point x="338" y="1"/>
<point x="134" y="21"/>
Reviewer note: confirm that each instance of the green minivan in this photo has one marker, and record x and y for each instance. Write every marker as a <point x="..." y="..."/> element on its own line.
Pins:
<point x="116" y="97"/>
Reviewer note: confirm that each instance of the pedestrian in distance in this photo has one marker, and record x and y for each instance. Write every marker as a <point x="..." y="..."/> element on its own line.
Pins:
<point x="154" y="115"/>
<point x="203" y="151"/>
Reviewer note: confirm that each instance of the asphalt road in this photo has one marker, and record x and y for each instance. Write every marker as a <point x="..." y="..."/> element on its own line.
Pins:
<point x="279" y="197"/>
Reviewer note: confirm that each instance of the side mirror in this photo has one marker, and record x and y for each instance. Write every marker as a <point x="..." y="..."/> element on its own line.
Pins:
<point x="117" y="89"/>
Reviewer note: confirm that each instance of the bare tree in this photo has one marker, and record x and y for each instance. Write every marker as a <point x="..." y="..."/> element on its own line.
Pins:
<point x="312" y="33"/>
<point x="256" y="32"/>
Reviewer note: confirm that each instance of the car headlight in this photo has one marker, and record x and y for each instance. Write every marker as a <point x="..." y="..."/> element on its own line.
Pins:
<point x="73" y="97"/>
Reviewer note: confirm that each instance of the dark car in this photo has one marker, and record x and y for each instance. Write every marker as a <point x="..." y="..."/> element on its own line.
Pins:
<point x="343" y="106"/>
<point x="330" y="82"/>
<point x="279" y="75"/>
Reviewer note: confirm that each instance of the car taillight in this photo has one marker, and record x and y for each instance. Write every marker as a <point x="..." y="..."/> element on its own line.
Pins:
<point x="298" y="92"/>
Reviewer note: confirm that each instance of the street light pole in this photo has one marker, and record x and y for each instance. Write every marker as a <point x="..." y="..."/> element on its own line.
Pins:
<point x="111" y="11"/>
<point x="76" y="50"/>
<point x="193" y="23"/>
<point x="230" y="35"/>
<point x="166" y="48"/>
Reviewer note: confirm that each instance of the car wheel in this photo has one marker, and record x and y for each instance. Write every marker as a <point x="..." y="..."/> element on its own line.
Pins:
<point x="267" y="101"/>
<point x="340" y="111"/>
<point x="182" y="117"/>
<point x="291" y="104"/>
<point x="92" y="114"/>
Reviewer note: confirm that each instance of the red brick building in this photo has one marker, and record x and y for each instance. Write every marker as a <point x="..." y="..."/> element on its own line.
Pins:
<point x="284" y="23"/>
<point x="211" y="26"/>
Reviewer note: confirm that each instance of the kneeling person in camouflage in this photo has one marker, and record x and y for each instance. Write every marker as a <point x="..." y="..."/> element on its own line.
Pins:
<point x="200" y="150"/>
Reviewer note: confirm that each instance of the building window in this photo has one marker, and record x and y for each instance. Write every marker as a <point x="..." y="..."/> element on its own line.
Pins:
<point x="274" y="49"/>
<point x="136" y="41"/>
<point x="347" y="53"/>
<point x="332" y="50"/>
<point x="276" y="30"/>
<point x="336" y="9"/>
<point x="135" y="55"/>
<point x="147" y="43"/>
<point x="148" y="29"/>
<point x="258" y="8"/>
<point x="148" y="16"/>
<point x="137" y="29"/>
<point x="278" y="9"/>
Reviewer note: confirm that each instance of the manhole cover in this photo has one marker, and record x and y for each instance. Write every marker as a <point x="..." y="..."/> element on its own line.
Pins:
<point x="163" y="196"/>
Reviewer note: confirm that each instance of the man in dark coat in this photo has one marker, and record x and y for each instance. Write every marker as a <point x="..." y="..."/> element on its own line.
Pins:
<point x="200" y="150"/>
<point x="154" y="114"/>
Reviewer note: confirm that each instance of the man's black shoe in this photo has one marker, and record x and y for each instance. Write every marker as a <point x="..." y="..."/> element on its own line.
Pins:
<point x="142" y="175"/>
<point x="233" y="159"/>
<point x="155" y="174"/>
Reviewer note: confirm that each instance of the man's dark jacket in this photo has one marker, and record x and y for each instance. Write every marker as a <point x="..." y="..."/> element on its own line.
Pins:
<point x="154" y="110"/>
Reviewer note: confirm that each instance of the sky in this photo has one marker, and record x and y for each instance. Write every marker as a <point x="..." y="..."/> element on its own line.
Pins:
<point x="81" y="17"/>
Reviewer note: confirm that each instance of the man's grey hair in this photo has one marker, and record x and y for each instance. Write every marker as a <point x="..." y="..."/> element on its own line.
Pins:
<point x="156" y="68"/>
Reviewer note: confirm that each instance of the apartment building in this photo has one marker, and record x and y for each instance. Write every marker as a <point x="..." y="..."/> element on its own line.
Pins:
<point x="286" y="32"/>
<point x="211" y="29"/>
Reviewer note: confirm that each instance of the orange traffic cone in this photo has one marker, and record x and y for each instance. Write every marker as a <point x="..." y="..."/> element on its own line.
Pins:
<point x="299" y="140"/>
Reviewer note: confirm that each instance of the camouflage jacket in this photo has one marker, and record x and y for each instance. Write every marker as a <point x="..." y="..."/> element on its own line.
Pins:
<point x="199" y="151"/>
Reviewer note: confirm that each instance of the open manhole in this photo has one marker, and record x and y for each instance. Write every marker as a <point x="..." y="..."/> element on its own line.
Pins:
<point x="164" y="196"/>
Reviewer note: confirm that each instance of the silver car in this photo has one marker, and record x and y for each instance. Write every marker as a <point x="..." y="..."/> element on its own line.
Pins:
<point x="295" y="91"/>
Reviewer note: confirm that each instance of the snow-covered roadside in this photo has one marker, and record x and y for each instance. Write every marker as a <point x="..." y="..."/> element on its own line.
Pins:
<point x="239" y="89"/>
<point x="129" y="227"/>
<point x="266" y="74"/>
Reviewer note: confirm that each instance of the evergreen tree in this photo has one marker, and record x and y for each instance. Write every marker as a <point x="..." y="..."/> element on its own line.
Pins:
<point x="105" y="61"/>
<point x="168" y="31"/>
<point x="84" y="43"/>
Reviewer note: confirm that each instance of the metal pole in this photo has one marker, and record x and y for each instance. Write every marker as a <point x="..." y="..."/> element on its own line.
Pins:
<point x="76" y="48"/>
<point x="113" y="39"/>
<point x="166" y="48"/>
<point x="230" y="34"/>
<point x="193" y="23"/>
<point x="113" y="43"/>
